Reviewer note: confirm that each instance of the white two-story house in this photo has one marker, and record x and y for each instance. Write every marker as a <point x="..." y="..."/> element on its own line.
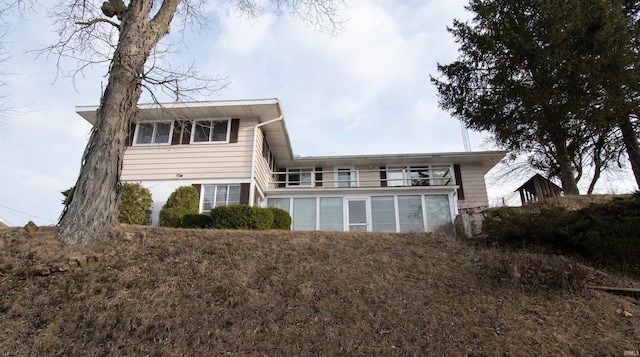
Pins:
<point x="239" y="152"/>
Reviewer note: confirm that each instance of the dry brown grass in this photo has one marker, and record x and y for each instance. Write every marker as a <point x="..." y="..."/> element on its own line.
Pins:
<point x="204" y="292"/>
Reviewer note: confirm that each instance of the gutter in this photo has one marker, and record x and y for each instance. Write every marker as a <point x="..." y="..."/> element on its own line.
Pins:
<point x="253" y="157"/>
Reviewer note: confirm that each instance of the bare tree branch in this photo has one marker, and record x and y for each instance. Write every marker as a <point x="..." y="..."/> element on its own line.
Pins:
<point x="94" y="21"/>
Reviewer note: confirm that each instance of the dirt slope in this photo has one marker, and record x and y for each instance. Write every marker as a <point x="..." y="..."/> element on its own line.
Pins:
<point x="162" y="292"/>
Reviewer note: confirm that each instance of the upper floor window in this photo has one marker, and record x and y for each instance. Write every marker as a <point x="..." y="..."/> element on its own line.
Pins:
<point x="427" y="175"/>
<point x="268" y="155"/>
<point x="300" y="177"/>
<point x="344" y="177"/>
<point x="153" y="133"/>
<point x="210" y="131"/>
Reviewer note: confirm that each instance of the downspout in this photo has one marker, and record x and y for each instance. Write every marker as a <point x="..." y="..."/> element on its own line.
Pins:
<point x="253" y="157"/>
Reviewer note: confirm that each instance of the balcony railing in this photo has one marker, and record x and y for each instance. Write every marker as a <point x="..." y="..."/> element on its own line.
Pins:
<point x="391" y="177"/>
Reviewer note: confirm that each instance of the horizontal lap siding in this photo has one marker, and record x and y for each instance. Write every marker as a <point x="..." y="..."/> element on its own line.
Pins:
<point x="192" y="161"/>
<point x="262" y="167"/>
<point x="369" y="178"/>
<point x="475" y="190"/>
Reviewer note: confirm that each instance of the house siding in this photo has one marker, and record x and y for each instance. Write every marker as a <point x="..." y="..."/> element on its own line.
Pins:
<point x="475" y="191"/>
<point x="193" y="161"/>
<point x="262" y="176"/>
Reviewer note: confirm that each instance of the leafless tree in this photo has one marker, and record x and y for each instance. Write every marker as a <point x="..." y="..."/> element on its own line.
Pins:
<point x="126" y="35"/>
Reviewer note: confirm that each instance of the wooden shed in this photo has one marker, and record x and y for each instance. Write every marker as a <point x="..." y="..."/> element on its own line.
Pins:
<point x="538" y="188"/>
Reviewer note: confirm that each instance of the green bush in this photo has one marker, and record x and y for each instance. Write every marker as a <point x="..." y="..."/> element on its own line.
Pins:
<point x="281" y="219"/>
<point x="135" y="204"/>
<point x="609" y="232"/>
<point x="196" y="221"/>
<point x="241" y="217"/>
<point x="183" y="201"/>
<point x="506" y="225"/>
<point x="603" y="232"/>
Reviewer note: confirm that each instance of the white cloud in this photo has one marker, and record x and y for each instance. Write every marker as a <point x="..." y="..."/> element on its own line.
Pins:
<point x="365" y="91"/>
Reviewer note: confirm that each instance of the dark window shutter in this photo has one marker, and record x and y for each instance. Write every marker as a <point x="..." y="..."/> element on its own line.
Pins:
<point x="186" y="132"/>
<point x="318" y="176"/>
<point x="383" y="176"/>
<point x="132" y="132"/>
<point x="458" y="175"/>
<point x="244" y="193"/>
<point x="176" y="137"/>
<point x="235" y="126"/>
<point x="282" y="178"/>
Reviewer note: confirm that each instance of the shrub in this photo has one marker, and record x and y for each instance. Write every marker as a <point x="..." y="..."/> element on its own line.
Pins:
<point x="241" y="217"/>
<point x="602" y="232"/>
<point x="196" y="221"/>
<point x="183" y="201"/>
<point x="135" y="204"/>
<point x="511" y="226"/>
<point x="281" y="219"/>
<point x="608" y="232"/>
<point x="506" y="225"/>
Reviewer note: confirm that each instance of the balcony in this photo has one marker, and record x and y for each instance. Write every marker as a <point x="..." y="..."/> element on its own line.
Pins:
<point x="300" y="178"/>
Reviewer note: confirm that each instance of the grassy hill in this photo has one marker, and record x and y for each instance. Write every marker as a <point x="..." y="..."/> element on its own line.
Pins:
<point x="169" y="292"/>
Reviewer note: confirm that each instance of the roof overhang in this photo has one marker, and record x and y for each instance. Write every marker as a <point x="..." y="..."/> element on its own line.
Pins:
<point x="487" y="159"/>
<point x="262" y="109"/>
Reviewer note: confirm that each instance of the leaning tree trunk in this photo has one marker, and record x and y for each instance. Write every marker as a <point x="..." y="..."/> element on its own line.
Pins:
<point x="630" y="139"/>
<point x="92" y="207"/>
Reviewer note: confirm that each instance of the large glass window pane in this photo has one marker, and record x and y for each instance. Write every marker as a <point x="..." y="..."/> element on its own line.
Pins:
<point x="344" y="178"/>
<point x="208" y="198"/>
<point x="383" y="214"/>
<point x="440" y="176"/>
<point x="305" y="178"/>
<point x="357" y="210"/>
<point x="145" y="133"/>
<point x="419" y="176"/>
<point x="410" y="212"/>
<point x="282" y="203"/>
<point x="201" y="131"/>
<point x="219" y="130"/>
<point x="304" y="214"/>
<point x="438" y="211"/>
<point x="395" y="177"/>
<point x="221" y="196"/>
<point x="331" y="214"/>
<point x="234" y="195"/>
<point x="163" y="132"/>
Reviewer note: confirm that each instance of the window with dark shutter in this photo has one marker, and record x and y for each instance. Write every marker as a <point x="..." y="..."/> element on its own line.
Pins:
<point x="319" y="176"/>
<point x="235" y="127"/>
<point x="458" y="175"/>
<point x="383" y="176"/>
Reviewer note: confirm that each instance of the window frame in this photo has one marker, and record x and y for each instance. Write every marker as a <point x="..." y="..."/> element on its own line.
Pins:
<point x="408" y="178"/>
<point x="153" y="134"/>
<point x="215" y="195"/>
<point x="299" y="171"/>
<point x="336" y="176"/>
<point x="193" y="131"/>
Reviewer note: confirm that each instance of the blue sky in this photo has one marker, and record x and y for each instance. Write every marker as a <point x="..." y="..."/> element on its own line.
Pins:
<point x="364" y="91"/>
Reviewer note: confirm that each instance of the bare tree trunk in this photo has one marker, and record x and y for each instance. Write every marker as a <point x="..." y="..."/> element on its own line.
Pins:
<point x="569" y="184"/>
<point x="92" y="208"/>
<point x="630" y="139"/>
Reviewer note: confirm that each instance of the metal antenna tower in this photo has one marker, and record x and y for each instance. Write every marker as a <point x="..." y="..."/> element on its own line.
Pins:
<point x="465" y="137"/>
